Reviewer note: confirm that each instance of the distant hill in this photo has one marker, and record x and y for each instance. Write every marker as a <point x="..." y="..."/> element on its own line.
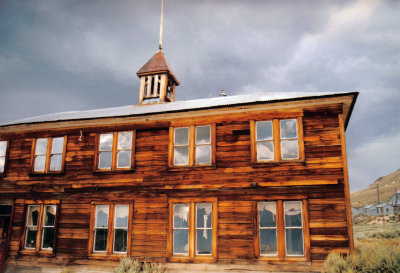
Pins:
<point x="387" y="187"/>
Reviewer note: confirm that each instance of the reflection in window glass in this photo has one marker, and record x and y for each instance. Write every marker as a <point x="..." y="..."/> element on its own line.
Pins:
<point x="3" y="152"/>
<point x="203" y="144"/>
<point x="181" y="229"/>
<point x="181" y="146"/>
<point x="57" y="150"/>
<point x="101" y="228"/>
<point x="267" y="228"/>
<point x="124" y="152"/>
<point x="49" y="216"/>
<point x="40" y="155"/>
<point x="105" y="151"/>
<point x="294" y="228"/>
<point x="121" y="228"/>
<point x="264" y="141"/>
<point x="289" y="139"/>
<point x="204" y="228"/>
<point x="32" y="226"/>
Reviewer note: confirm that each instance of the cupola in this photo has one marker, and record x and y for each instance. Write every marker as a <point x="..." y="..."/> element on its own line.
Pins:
<point x="157" y="81"/>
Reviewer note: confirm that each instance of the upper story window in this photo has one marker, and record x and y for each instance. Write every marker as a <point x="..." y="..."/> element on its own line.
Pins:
<point x="110" y="232"/>
<point x="193" y="230"/>
<point x="282" y="230"/>
<point x="192" y="145"/>
<point x="115" y="151"/>
<point x="49" y="154"/>
<point x="3" y="156"/>
<point x="40" y="227"/>
<point x="277" y="140"/>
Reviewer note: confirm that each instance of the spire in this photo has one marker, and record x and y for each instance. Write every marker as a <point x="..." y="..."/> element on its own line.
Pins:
<point x="161" y="25"/>
<point x="157" y="81"/>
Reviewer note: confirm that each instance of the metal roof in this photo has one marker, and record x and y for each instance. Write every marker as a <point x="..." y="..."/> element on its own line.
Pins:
<point x="177" y="106"/>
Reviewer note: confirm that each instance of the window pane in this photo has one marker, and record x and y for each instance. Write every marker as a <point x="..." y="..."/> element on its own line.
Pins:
<point x="203" y="134"/>
<point x="204" y="241"/>
<point x="265" y="150"/>
<point x="57" y="146"/>
<point x="181" y="155"/>
<point x="288" y="128"/>
<point x="3" y="147"/>
<point x="268" y="243"/>
<point x="33" y="216"/>
<point x="101" y="216"/>
<point x="264" y="130"/>
<point x="47" y="240"/>
<point x="105" y="159"/>
<point x="106" y="141"/>
<point x="293" y="214"/>
<point x="124" y="159"/>
<point x="124" y="140"/>
<point x="267" y="214"/>
<point x="181" y="215"/>
<point x="181" y="238"/>
<point x="294" y="241"/>
<point x="100" y="239"/>
<point x="121" y="216"/>
<point x="31" y="234"/>
<point x="203" y="215"/>
<point x="41" y="146"/>
<point x="56" y="162"/>
<point x="203" y="154"/>
<point x="120" y="240"/>
<point x="181" y="136"/>
<point x="2" y="163"/>
<point x="49" y="215"/>
<point x="40" y="163"/>
<point x="290" y="149"/>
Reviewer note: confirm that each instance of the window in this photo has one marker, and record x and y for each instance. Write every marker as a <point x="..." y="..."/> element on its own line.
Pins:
<point x="110" y="232"/>
<point x="41" y="220"/>
<point x="277" y="140"/>
<point x="193" y="231"/>
<point x="115" y="151"/>
<point x="3" y="156"/>
<point x="282" y="230"/>
<point x="49" y="155"/>
<point x="192" y="145"/>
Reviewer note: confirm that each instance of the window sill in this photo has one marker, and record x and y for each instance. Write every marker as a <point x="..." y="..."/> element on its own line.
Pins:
<point x="104" y="256"/>
<point x="273" y="163"/>
<point x="195" y="167"/>
<point x="273" y="259"/>
<point x="105" y="172"/>
<point x="47" y="174"/>
<point x="186" y="259"/>
<point x="33" y="252"/>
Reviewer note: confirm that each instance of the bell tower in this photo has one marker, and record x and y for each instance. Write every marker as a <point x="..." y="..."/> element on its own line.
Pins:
<point x="157" y="81"/>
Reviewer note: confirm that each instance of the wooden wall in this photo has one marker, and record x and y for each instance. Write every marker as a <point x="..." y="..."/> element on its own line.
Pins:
<point x="234" y="181"/>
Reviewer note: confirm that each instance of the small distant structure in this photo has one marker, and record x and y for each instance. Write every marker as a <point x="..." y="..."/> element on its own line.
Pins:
<point x="382" y="208"/>
<point x="394" y="201"/>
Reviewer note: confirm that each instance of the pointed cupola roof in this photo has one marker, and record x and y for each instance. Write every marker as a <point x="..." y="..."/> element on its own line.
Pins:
<point x="157" y="64"/>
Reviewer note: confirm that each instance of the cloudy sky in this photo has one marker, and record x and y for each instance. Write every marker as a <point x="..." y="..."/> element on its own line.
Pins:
<point x="83" y="54"/>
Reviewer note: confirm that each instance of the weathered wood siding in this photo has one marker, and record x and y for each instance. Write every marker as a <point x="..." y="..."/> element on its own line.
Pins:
<point x="234" y="181"/>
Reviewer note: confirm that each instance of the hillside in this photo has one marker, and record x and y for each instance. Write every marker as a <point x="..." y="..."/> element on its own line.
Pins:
<point x="387" y="187"/>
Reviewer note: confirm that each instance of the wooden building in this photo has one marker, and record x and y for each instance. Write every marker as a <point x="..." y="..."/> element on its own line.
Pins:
<point x="249" y="182"/>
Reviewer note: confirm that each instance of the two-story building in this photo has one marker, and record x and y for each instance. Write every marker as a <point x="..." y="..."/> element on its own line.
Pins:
<point x="248" y="182"/>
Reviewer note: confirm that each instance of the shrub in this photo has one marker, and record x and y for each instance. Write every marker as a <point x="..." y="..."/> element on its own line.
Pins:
<point x="128" y="265"/>
<point x="66" y="270"/>
<point x="366" y="259"/>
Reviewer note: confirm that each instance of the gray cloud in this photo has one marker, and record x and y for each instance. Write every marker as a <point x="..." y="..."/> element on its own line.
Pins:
<point x="75" y="55"/>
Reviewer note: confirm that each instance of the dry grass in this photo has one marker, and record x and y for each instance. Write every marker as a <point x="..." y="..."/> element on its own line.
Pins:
<point x="377" y="249"/>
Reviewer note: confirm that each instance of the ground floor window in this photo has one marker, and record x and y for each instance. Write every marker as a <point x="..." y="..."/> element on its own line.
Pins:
<point x="40" y="226"/>
<point x="110" y="229"/>
<point x="193" y="229"/>
<point x="282" y="229"/>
